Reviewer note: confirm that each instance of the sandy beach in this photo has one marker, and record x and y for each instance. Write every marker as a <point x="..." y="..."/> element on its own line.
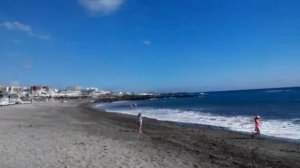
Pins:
<point x="73" y="134"/>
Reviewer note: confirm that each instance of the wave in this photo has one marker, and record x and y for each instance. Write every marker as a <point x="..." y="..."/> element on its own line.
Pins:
<point x="289" y="129"/>
<point x="276" y="90"/>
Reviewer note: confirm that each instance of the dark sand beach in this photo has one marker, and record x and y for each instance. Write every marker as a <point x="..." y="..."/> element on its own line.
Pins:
<point x="74" y="134"/>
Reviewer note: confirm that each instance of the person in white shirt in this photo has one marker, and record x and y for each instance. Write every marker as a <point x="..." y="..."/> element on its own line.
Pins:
<point x="140" y="122"/>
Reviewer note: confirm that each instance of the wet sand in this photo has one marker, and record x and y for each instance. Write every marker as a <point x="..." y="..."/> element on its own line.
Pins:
<point x="75" y="135"/>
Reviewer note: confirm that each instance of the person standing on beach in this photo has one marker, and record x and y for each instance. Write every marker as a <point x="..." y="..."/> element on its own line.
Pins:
<point x="140" y="122"/>
<point x="130" y="106"/>
<point x="257" y="126"/>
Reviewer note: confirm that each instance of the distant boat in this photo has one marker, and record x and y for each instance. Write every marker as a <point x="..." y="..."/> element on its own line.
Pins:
<point x="10" y="99"/>
<point x="201" y="94"/>
<point x="14" y="99"/>
<point x="4" y="100"/>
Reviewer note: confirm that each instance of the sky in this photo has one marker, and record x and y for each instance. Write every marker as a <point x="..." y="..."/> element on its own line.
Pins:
<point x="150" y="45"/>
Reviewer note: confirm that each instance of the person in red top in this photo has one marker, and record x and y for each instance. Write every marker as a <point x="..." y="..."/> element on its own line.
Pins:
<point x="257" y="126"/>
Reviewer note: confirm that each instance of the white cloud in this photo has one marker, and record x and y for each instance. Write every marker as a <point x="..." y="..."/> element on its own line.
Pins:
<point x="101" y="6"/>
<point x="15" y="83"/>
<point x="27" y="66"/>
<point x="17" y="26"/>
<point x="22" y="60"/>
<point x="17" y="41"/>
<point x="146" y="42"/>
<point x="43" y="37"/>
<point x="23" y="27"/>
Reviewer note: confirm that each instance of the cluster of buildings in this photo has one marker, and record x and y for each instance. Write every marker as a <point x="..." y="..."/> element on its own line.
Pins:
<point x="18" y="95"/>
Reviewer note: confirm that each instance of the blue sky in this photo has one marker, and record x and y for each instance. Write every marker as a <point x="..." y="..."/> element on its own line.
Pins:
<point x="151" y="45"/>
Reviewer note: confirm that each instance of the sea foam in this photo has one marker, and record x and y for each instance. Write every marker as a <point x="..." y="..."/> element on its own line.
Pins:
<point x="289" y="129"/>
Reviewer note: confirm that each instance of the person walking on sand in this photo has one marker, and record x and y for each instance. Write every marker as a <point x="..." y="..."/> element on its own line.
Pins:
<point x="140" y="122"/>
<point x="257" y="126"/>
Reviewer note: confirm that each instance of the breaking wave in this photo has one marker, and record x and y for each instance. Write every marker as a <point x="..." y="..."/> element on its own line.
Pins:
<point x="289" y="129"/>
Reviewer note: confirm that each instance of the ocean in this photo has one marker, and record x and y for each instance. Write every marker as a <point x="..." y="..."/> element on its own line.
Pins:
<point x="279" y="110"/>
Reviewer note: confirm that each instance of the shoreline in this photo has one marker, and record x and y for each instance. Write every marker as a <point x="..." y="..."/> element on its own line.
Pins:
<point x="221" y="141"/>
<point x="197" y="125"/>
<point x="74" y="134"/>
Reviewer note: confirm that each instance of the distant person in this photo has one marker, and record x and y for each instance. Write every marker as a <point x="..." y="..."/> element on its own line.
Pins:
<point x="130" y="106"/>
<point x="257" y="127"/>
<point x="140" y="122"/>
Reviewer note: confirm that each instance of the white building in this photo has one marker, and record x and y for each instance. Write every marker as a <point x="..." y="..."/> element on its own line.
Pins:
<point x="39" y="91"/>
<point x="11" y="89"/>
<point x="70" y="93"/>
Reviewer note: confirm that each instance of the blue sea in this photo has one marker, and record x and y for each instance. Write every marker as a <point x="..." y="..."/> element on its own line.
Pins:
<point x="233" y="110"/>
